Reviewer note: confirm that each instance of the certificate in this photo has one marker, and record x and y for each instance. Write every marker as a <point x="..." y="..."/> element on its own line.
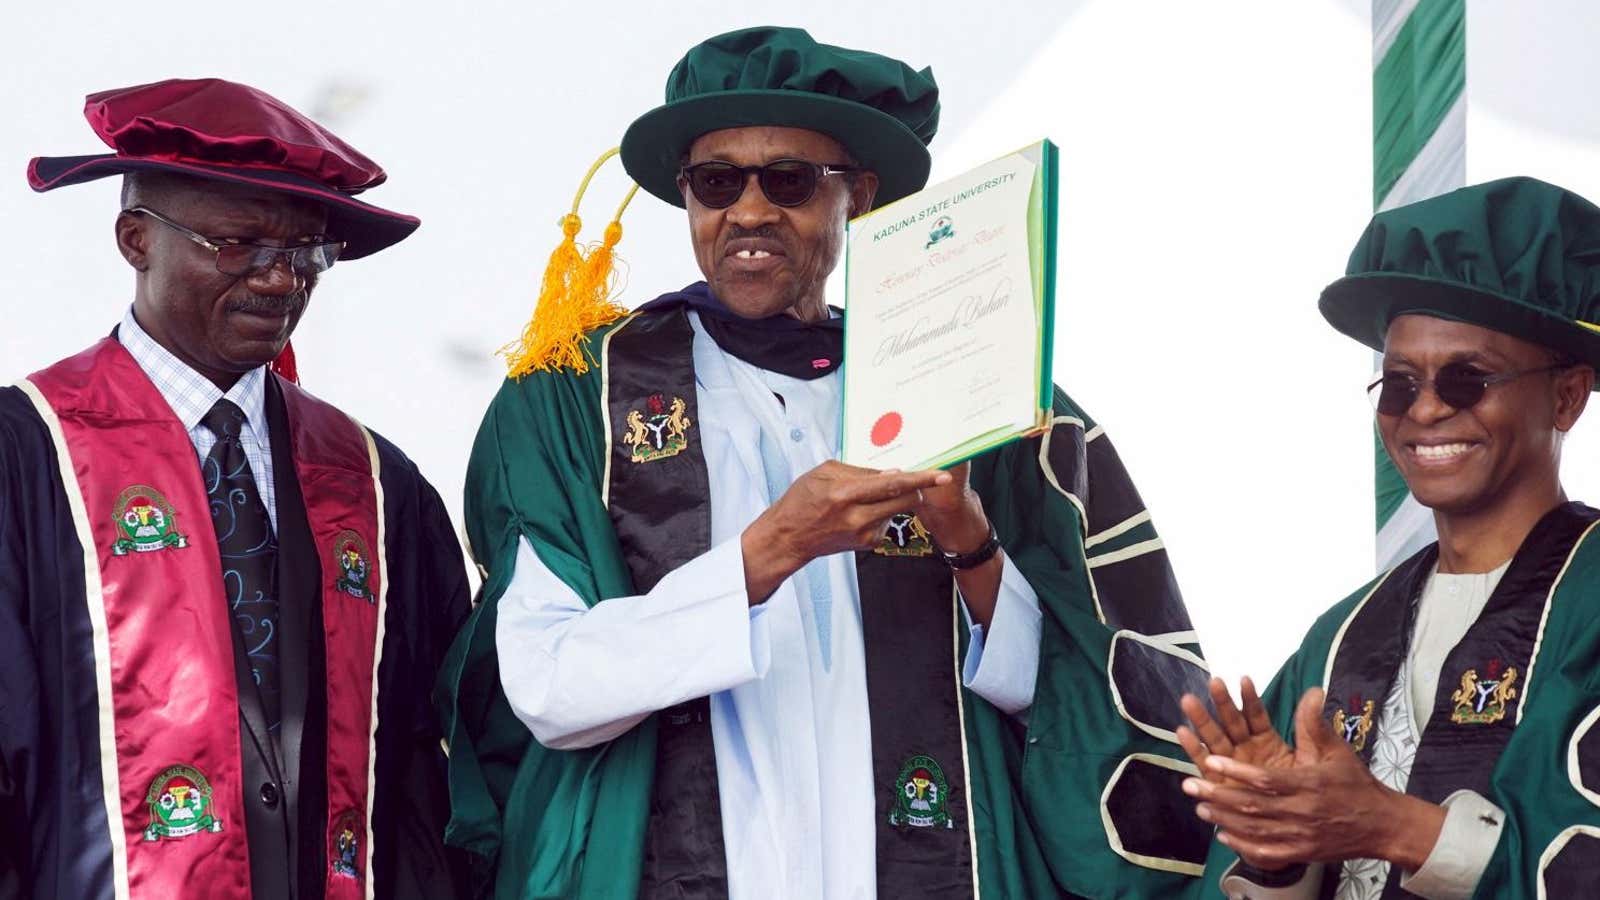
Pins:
<point x="949" y="316"/>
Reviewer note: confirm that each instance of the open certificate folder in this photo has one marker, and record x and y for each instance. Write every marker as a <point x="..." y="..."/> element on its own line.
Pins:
<point x="949" y="316"/>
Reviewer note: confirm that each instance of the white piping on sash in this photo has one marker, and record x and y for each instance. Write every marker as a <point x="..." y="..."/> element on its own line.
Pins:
<point x="961" y="720"/>
<point x="1338" y="637"/>
<point x="1126" y="553"/>
<point x="1075" y="500"/>
<point x="1544" y="617"/>
<point x="605" y="407"/>
<point x="1050" y="475"/>
<point x="1121" y="528"/>
<point x="1091" y="434"/>
<point x="1160" y="863"/>
<point x="1574" y="771"/>
<point x="94" y="595"/>
<point x="1176" y="637"/>
<point x="1116" y="695"/>
<point x="1555" y="846"/>
<point x="377" y="647"/>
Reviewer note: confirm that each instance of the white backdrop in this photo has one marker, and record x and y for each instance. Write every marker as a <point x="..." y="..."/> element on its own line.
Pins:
<point x="1216" y="165"/>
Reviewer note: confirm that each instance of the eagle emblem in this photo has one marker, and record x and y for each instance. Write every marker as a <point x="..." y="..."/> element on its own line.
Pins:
<point x="660" y="432"/>
<point x="904" y="536"/>
<point x="1483" y="701"/>
<point x="1354" y="727"/>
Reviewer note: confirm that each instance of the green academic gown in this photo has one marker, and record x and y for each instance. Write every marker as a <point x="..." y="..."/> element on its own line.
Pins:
<point x="1532" y="747"/>
<point x="1081" y="800"/>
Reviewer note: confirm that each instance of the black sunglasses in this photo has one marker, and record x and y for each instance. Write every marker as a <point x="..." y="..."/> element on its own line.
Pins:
<point x="1457" y="385"/>
<point x="240" y="260"/>
<point x="786" y="182"/>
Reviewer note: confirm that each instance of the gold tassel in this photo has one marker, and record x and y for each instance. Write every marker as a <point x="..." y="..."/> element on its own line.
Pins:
<point x="574" y="296"/>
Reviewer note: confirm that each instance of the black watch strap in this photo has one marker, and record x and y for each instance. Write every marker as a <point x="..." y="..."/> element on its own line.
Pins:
<point x="974" y="559"/>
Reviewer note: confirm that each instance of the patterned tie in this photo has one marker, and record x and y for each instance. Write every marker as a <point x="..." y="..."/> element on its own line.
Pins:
<point x="249" y="551"/>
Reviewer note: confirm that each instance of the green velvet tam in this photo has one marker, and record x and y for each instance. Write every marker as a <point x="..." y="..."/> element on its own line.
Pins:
<point x="1516" y="255"/>
<point x="882" y="111"/>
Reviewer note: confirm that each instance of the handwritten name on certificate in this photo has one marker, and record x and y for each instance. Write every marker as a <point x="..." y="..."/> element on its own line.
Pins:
<point x="942" y="323"/>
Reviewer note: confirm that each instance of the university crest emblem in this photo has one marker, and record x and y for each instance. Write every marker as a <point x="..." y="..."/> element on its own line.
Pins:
<point x="905" y="536"/>
<point x="1483" y="701"/>
<point x="145" y="521"/>
<point x="344" y="844"/>
<point x="352" y="560"/>
<point x="1353" y="727"/>
<point x="942" y="229"/>
<point x="180" y="805"/>
<point x="661" y="432"/>
<point x="921" y="795"/>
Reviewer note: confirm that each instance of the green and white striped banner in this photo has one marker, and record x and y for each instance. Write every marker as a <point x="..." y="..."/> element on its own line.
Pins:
<point x="1419" y="150"/>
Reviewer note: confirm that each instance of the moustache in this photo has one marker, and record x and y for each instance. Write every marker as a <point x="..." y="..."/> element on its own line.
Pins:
<point x="277" y="305"/>
<point x="764" y="232"/>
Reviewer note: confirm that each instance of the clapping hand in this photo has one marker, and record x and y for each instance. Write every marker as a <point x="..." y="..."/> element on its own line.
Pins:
<point x="1317" y="802"/>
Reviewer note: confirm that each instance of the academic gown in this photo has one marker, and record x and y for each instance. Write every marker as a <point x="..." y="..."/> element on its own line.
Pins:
<point x="1516" y="716"/>
<point x="54" y="836"/>
<point x="1082" y="799"/>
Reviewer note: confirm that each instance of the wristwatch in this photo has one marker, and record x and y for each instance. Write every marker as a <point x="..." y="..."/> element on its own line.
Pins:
<point x="974" y="559"/>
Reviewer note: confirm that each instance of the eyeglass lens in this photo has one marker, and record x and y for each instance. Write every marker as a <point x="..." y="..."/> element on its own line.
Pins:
<point x="1458" y="387"/>
<point x="247" y="259"/>
<point x="787" y="182"/>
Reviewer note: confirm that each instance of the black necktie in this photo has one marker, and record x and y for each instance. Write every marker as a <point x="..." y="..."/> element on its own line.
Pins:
<point x="249" y="551"/>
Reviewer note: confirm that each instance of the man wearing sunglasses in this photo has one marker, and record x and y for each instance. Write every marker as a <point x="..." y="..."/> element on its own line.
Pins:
<point x="222" y="600"/>
<point x="712" y="661"/>
<point x="1445" y="719"/>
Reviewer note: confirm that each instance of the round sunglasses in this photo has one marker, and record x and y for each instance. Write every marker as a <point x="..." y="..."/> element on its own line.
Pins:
<point x="239" y="260"/>
<point x="1457" y="385"/>
<point x="785" y="182"/>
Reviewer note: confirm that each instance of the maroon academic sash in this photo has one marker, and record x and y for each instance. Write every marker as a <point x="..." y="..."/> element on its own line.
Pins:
<point x="164" y="655"/>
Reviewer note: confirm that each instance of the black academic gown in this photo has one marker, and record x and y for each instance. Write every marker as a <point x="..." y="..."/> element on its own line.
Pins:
<point x="53" y="837"/>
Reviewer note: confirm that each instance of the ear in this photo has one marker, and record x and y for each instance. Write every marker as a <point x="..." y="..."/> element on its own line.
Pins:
<point x="1573" y="387"/>
<point x="133" y="240"/>
<point x="863" y="189"/>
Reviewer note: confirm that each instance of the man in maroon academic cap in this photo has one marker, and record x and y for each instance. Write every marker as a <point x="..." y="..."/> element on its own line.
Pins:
<point x="222" y="600"/>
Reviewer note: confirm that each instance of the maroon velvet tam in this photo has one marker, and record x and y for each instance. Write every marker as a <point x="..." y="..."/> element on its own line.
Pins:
<point x="210" y="128"/>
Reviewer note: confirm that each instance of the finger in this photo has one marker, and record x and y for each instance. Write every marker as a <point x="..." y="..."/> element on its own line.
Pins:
<point x="1190" y="742"/>
<point x="1228" y="715"/>
<point x="884" y="485"/>
<point x="1311" y="730"/>
<point x="1205" y="727"/>
<point x="876" y="515"/>
<point x="1265" y="780"/>
<point x="1236" y="824"/>
<point x="1255" y="712"/>
<point x="1266" y="851"/>
<point x="1240" y="801"/>
<point x="1261" y="854"/>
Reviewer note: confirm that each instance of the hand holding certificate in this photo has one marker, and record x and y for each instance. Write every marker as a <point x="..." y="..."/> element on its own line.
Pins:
<point x="950" y="316"/>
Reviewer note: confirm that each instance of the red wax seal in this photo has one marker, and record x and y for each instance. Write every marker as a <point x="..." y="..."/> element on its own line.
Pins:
<point x="886" y="429"/>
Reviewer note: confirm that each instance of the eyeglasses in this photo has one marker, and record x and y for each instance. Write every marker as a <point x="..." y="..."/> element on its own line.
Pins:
<point x="786" y="182"/>
<point x="1457" y="385"/>
<point x="239" y="259"/>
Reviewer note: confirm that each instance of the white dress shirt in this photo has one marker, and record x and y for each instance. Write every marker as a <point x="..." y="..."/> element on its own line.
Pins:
<point x="1447" y="608"/>
<point x="787" y="677"/>
<point x="191" y="395"/>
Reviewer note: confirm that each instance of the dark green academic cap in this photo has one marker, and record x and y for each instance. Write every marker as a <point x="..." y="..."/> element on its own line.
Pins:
<point x="882" y="111"/>
<point x="1517" y="255"/>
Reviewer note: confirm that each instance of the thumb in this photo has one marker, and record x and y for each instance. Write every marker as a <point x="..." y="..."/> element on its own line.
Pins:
<point x="1313" y="736"/>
